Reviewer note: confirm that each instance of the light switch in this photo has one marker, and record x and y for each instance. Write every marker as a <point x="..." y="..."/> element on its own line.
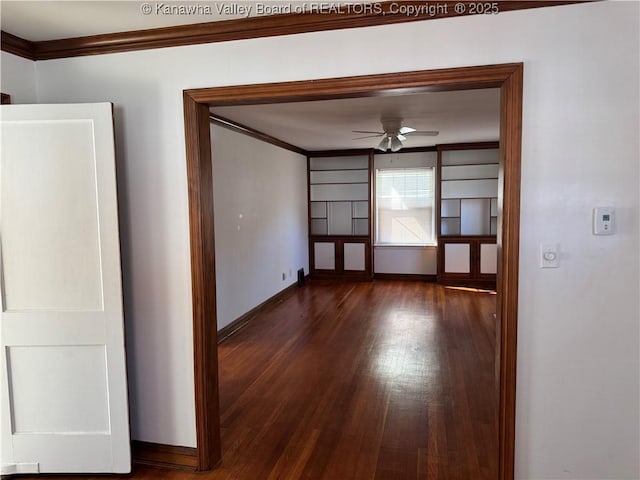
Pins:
<point x="549" y="255"/>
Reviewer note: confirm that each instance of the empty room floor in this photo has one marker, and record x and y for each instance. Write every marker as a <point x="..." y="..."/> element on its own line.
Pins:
<point x="359" y="380"/>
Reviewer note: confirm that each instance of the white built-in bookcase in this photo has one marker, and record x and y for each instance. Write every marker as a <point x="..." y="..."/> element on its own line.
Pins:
<point x="339" y="214"/>
<point x="468" y="223"/>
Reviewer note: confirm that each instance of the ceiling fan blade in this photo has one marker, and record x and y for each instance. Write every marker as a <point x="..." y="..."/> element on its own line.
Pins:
<point x="367" y="131"/>
<point x="424" y="133"/>
<point x="368" y="136"/>
<point x="401" y="137"/>
<point x="405" y="130"/>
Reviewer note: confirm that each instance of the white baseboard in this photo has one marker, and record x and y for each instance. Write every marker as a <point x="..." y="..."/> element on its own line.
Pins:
<point x="16" y="468"/>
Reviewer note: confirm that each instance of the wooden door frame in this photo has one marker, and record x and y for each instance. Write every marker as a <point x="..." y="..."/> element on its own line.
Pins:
<point x="507" y="77"/>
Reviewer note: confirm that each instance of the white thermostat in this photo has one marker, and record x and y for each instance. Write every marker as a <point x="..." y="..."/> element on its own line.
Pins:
<point x="603" y="220"/>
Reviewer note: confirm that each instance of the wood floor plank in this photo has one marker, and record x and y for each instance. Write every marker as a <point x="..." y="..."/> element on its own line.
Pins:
<point x="385" y="380"/>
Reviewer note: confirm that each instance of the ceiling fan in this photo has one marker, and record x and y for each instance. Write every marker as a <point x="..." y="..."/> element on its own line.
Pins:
<point x="394" y="134"/>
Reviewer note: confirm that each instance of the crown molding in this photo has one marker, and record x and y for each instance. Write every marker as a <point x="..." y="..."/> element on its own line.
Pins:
<point x="16" y="45"/>
<point x="382" y="13"/>
<point x="252" y="132"/>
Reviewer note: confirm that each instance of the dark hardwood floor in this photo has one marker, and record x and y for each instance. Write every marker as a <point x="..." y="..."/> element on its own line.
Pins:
<point x="385" y="380"/>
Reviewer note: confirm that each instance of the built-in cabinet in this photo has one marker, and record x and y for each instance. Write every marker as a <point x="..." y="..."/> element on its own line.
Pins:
<point x="468" y="214"/>
<point x="339" y="215"/>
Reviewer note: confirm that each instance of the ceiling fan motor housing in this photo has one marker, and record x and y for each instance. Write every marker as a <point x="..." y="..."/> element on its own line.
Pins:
<point x="391" y="126"/>
<point x="394" y="134"/>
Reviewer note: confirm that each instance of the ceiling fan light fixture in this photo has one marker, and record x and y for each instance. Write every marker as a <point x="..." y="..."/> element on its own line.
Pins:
<point x="393" y="134"/>
<point x="382" y="146"/>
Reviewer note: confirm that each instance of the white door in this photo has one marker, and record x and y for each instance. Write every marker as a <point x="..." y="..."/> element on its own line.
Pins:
<point x="64" y="392"/>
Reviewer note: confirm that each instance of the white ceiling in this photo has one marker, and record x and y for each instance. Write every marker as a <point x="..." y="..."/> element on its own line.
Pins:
<point x="462" y="116"/>
<point x="53" y="19"/>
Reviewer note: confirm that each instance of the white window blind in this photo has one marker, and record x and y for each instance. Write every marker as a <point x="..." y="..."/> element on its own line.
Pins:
<point x="405" y="206"/>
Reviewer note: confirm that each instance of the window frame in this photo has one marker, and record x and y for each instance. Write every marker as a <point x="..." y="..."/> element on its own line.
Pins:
<point x="376" y="219"/>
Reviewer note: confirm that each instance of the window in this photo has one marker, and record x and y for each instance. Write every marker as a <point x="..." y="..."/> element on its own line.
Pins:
<point x="404" y="206"/>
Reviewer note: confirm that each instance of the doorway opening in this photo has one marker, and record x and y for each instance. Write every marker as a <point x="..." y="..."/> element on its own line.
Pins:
<point x="507" y="77"/>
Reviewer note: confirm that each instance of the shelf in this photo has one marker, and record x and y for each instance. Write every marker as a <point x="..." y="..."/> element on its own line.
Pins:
<point x="339" y="197"/>
<point x="468" y="213"/>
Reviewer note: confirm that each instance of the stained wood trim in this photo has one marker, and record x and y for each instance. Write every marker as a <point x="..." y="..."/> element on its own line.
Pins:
<point x="465" y="179"/>
<point x="468" y="146"/>
<point x="433" y="148"/>
<point x="200" y="195"/>
<point x="372" y="211"/>
<point x="508" y="77"/>
<point x="367" y="151"/>
<point x="462" y="165"/>
<point x="167" y="456"/>
<point x="340" y="153"/>
<point x="17" y="46"/>
<point x="468" y="238"/>
<point x="373" y="151"/>
<point x="252" y="132"/>
<point x="339" y="183"/>
<point x="312" y="256"/>
<point x="405" y="276"/>
<point x="6" y="98"/>
<point x="244" y="320"/>
<point x="344" y="238"/>
<point x="438" y="202"/>
<point x="245" y="28"/>
<point x="482" y="283"/>
<point x="340" y="277"/>
<point x="508" y="239"/>
<point x="386" y="84"/>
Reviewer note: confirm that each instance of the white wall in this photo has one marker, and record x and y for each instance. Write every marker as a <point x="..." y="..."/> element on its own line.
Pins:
<point x="406" y="260"/>
<point x="260" y="215"/>
<point x="577" y="400"/>
<point x="18" y="78"/>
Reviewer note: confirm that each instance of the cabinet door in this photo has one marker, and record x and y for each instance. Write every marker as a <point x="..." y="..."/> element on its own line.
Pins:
<point x="488" y="259"/>
<point x="342" y="256"/>
<point x="324" y="256"/>
<point x="468" y="261"/>
<point x="354" y="257"/>
<point x="457" y="258"/>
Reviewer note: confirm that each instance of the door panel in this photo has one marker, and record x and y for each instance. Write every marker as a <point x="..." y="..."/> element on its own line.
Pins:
<point x="457" y="258"/>
<point x="38" y="374"/>
<point x="325" y="255"/>
<point x="488" y="258"/>
<point x="355" y="257"/>
<point x="64" y="394"/>
<point x="42" y="269"/>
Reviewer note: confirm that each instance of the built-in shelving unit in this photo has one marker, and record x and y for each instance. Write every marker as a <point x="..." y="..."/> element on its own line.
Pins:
<point x="339" y="195"/>
<point x="339" y="214"/>
<point x="468" y="213"/>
